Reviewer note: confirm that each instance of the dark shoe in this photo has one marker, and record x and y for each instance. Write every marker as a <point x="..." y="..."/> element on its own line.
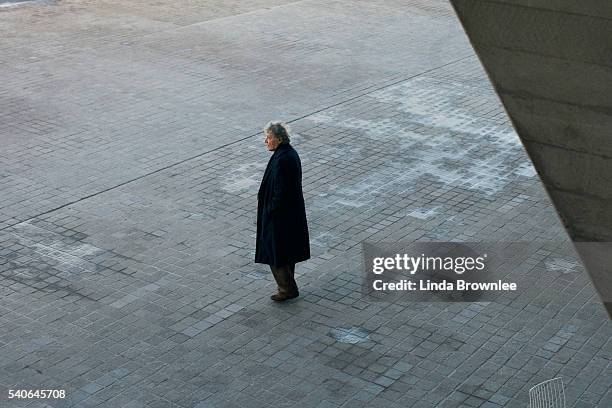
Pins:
<point x="281" y="297"/>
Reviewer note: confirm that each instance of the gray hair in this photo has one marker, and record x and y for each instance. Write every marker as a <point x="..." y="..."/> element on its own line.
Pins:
<point x="280" y="130"/>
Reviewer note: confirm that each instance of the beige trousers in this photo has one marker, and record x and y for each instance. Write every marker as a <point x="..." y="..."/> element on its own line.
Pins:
<point x="285" y="278"/>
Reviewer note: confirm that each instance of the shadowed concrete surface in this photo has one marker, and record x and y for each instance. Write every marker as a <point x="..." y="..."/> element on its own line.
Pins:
<point x="131" y="157"/>
<point x="551" y="65"/>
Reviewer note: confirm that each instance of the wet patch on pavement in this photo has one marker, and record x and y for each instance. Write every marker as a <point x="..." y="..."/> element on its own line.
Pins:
<point x="352" y="335"/>
<point x="17" y="3"/>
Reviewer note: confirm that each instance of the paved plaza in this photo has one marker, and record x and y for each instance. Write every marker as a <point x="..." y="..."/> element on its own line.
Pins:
<point x="131" y="156"/>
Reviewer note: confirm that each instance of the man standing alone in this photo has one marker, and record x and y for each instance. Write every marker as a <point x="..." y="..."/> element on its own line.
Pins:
<point x="282" y="229"/>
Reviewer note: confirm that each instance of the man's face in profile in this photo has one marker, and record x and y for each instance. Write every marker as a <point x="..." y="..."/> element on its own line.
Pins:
<point x="271" y="141"/>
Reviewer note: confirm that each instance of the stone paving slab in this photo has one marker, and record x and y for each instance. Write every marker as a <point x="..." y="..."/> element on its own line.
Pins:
<point x="123" y="94"/>
<point x="139" y="289"/>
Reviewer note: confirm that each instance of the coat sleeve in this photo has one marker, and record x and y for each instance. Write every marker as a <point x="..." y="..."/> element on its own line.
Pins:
<point x="279" y="185"/>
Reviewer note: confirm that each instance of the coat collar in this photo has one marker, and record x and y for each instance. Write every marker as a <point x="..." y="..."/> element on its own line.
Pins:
<point x="279" y="149"/>
<point x="282" y="147"/>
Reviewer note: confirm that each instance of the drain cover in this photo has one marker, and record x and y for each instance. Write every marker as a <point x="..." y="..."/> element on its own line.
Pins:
<point x="353" y="335"/>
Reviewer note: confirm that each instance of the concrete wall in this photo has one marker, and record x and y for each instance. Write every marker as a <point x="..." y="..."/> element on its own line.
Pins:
<point x="551" y="64"/>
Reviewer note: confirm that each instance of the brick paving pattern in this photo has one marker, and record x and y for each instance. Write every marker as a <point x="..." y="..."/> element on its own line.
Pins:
<point x="130" y="164"/>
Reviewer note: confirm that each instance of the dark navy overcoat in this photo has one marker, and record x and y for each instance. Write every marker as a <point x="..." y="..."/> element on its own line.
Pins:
<point x="282" y="229"/>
